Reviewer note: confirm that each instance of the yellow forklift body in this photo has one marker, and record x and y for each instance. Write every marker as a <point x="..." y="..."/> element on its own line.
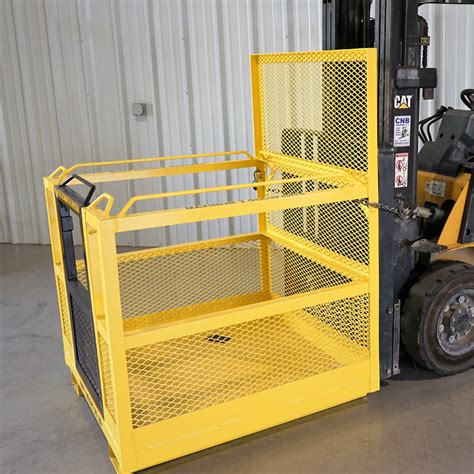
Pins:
<point x="438" y="189"/>
<point x="203" y="342"/>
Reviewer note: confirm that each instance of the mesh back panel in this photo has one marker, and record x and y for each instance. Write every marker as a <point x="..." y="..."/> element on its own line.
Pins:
<point x="313" y="106"/>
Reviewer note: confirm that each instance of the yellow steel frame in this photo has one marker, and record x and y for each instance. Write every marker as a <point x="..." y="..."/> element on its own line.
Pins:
<point x="132" y="449"/>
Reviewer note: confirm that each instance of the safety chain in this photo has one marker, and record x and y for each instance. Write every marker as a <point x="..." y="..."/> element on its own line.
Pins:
<point x="404" y="214"/>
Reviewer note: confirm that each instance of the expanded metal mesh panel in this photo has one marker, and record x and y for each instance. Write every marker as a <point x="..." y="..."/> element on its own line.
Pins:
<point x="170" y="283"/>
<point x="109" y="396"/>
<point x="313" y="106"/>
<point x="293" y="273"/>
<point x="190" y="373"/>
<point x="84" y="341"/>
<point x="64" y="311"/>
<point x="337" y="232"/>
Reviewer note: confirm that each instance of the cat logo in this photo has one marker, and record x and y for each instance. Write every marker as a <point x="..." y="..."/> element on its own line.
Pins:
<point x="402" y="101"/>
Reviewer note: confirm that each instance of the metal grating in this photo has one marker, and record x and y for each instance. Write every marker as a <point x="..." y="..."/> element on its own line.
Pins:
<point x="173" y="283"/>
<point x="313" y="106"/>
<point x="337" y="232"/>
<point x="190" y="373"/>
<point x="85" y="345"/>
<point x="109" y="397"/>
<point x="293" y="273"/>
<point x="64" y="311"/>
<point x="164" y="285"/>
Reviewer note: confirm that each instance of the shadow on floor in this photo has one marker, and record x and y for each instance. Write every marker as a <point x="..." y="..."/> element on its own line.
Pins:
<point x="410" y="370"/>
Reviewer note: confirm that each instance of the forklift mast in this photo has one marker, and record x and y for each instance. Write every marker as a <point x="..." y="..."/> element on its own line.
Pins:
<point x="401" y="38"/>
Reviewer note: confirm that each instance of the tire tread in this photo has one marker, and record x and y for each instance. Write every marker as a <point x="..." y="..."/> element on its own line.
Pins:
<point x="415" y="308"/>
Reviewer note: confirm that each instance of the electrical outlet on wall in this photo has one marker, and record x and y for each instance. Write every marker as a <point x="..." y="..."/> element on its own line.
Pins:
<point x="139" y="109"/>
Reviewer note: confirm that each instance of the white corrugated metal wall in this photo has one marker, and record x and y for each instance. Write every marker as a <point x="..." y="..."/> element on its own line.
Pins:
<point x="72" y="68"/>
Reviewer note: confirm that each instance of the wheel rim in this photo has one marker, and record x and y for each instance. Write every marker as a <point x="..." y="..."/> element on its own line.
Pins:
<point x="455" y="328"/>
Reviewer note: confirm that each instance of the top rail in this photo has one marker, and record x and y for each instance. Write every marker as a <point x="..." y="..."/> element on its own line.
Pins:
<point x="135" y="199"/>
<point x="61" y="172"/>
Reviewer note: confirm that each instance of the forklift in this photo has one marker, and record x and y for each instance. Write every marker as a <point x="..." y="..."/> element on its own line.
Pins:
<point x="426" y="195"/>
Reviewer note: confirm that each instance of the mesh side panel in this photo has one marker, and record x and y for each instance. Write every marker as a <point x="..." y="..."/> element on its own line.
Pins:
<point x="313" y="106"/>
<point x="190" y="373"/>
<point x="338" y="231"/>
<point x="349" y="318"/>
<point x="109" y="397"/>
<point x="165" y="284"/>
<point x="64" y="311"/>
<point x="293" y="273"/>
<point x="86" y="350"/>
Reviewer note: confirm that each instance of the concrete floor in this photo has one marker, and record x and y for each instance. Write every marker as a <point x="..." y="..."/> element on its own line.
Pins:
<point x="417" y="423"/>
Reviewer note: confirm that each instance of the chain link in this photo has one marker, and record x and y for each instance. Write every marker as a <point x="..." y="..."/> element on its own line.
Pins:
<point x="404" y="214"/>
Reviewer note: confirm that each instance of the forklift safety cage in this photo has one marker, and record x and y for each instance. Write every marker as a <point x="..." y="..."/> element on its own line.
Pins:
<point x="182" y="347"/>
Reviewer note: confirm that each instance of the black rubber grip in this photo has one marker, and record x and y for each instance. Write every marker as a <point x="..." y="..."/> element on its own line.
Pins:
<point x="82" y="202"/>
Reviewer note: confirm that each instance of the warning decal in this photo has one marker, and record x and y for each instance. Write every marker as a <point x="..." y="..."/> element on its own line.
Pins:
<point x="401" y="130"/>
<point x="401" y="170"/>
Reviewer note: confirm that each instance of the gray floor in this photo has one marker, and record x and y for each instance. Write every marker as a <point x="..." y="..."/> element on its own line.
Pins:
<point x="417" y="423"/>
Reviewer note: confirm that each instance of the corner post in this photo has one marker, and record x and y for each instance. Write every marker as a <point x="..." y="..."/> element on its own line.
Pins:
<point x="107" y="259"/>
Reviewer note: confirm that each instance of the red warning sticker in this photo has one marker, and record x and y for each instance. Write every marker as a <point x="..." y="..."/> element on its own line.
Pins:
<point x="401" y="170"/>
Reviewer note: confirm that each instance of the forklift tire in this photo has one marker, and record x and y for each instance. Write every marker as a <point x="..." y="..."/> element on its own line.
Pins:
<point x="437" y="324"/>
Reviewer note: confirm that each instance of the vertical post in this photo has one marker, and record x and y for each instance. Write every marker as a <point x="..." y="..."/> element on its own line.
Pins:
<point x="59" y="270"/>
<point x="89" y="238"/>
<point x="265" y="268"/>
<point x="106" y="245"/>
<point x="372" y="140"/>
<point x="398" y="44"/>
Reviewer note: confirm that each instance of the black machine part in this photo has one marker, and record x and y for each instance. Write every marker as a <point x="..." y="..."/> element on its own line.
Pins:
<point x="69" y="203"/>
<point x="437" y="322"/>
<point x="401" y="37"/>
<point x="453" y="147"/>
<point x="467" y="96"/>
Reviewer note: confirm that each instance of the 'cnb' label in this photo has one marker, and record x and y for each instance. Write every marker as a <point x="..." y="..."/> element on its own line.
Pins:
<point x="401" y="130"/>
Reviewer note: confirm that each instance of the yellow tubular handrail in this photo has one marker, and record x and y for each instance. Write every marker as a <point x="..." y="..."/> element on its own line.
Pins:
<point x="54" y="174"/>
<point x="104" y="196"/>
<point x="68" y="171"/>
<point x="147" y="197"/>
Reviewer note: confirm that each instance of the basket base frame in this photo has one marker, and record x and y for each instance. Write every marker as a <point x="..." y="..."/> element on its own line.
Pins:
<point x="186" y="434"/>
